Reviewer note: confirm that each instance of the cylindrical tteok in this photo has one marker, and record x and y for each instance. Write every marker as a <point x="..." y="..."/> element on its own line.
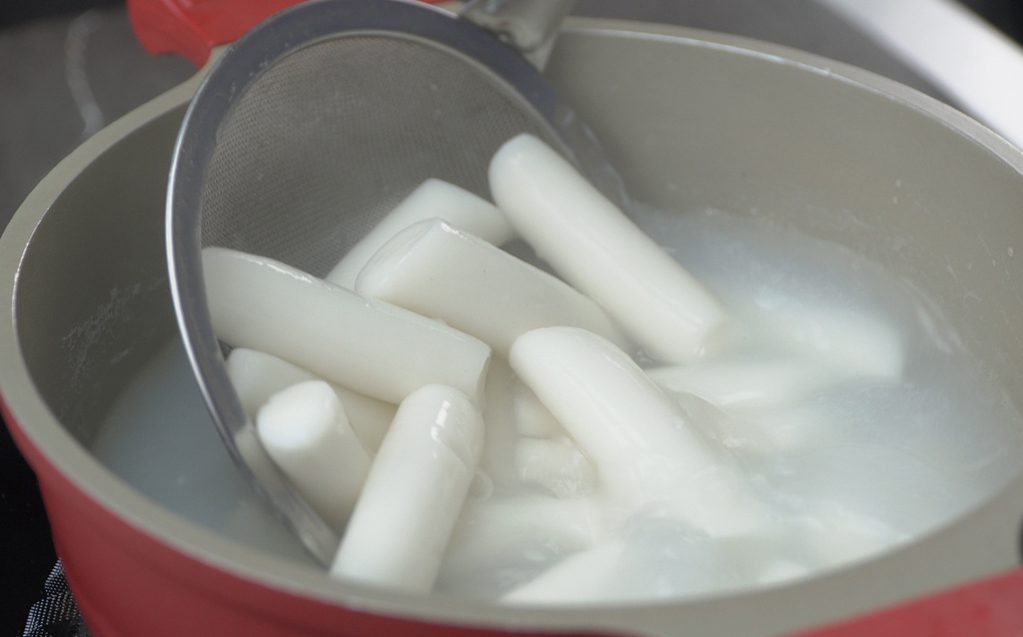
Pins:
<point x="433" y="199"/>
<point x="643" y="449"/>
<point x="597" y="249"/>
<point x="500" y="530"/>
<point x="369" y="346"/>
<point x="256" y="376"/>
<point x="746" y="383"/>
<point x="587" y="576"/>
<point x="437" y="270"/>
<point x="414" y="492"/>
<point x="306" y="433"/>
<point x="499" y="419"/>
<point x="556" y="465"/>
<point x="532" y="419"/>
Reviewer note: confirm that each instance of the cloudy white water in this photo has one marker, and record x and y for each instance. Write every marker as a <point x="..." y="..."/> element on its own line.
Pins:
<point x="854" y="415"/>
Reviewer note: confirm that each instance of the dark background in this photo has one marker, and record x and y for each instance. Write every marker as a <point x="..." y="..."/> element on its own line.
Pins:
<point x="14" y="11"/>
<point x="42" y="42"/>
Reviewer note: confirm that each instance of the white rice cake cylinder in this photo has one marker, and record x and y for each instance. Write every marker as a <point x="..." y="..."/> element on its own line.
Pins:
<point x="431" y="199"/>
<point x="437" y="270"/>
<point x="644" y="450"/>
<point x="597" y="249"/>
<point x="372" y="347"/>
<point x="414" y="492"/>
<point x="306" y="433"/>
<point x="584" y="577"/>
<point x="556" y="465"/>
<point x="746" y="383"/>
<point x="497" y="462"/>
<point x="532" y="418"/>
<point x="256" y="376"/>
<point x="502" y="531"/>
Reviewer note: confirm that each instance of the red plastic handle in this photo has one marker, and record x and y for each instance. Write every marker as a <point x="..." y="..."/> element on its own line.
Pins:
<point x="191" y="28"/>
<point x="991" y="607"/>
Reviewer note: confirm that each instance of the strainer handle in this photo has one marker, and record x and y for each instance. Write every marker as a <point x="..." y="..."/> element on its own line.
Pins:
<point x="527" y="25"/>
<point x="193" y="28"/>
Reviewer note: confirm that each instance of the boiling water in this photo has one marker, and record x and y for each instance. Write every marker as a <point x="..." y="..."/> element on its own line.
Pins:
<point x="847" y="467"/>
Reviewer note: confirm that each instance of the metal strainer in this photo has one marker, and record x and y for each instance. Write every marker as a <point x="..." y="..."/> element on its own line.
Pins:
<point x="311" y="128"/>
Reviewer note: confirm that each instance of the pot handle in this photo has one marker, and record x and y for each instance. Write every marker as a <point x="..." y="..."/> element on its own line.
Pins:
<point x="192" y="28"/>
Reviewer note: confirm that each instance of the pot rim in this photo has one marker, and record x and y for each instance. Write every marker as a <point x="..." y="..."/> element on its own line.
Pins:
<point x="53" y="442"/>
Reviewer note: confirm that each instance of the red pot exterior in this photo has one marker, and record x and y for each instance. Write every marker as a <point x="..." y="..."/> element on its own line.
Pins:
<point x="990" y="608"/>
<point x="128" y="583"/>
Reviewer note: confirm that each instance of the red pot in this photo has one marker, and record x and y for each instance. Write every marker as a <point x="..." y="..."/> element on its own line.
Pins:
<point x="86" y="306"/>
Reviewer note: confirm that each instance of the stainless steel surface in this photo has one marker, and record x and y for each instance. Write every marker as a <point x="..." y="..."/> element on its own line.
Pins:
<point x="278" y="157"/>
<point x="526" y="25"/>
<point x="53" y="65"/>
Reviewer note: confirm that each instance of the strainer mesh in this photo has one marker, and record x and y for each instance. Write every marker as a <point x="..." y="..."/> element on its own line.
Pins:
<point x="331" y="137"/>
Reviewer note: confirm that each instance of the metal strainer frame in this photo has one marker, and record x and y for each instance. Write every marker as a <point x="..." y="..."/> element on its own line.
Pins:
<point x="237" y="70"/>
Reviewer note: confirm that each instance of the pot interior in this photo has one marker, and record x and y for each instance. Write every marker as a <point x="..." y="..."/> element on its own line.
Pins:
<point x="691" y="127"/>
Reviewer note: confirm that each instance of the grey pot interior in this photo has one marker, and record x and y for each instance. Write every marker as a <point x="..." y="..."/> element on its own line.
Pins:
<point x="692" y="121"/>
